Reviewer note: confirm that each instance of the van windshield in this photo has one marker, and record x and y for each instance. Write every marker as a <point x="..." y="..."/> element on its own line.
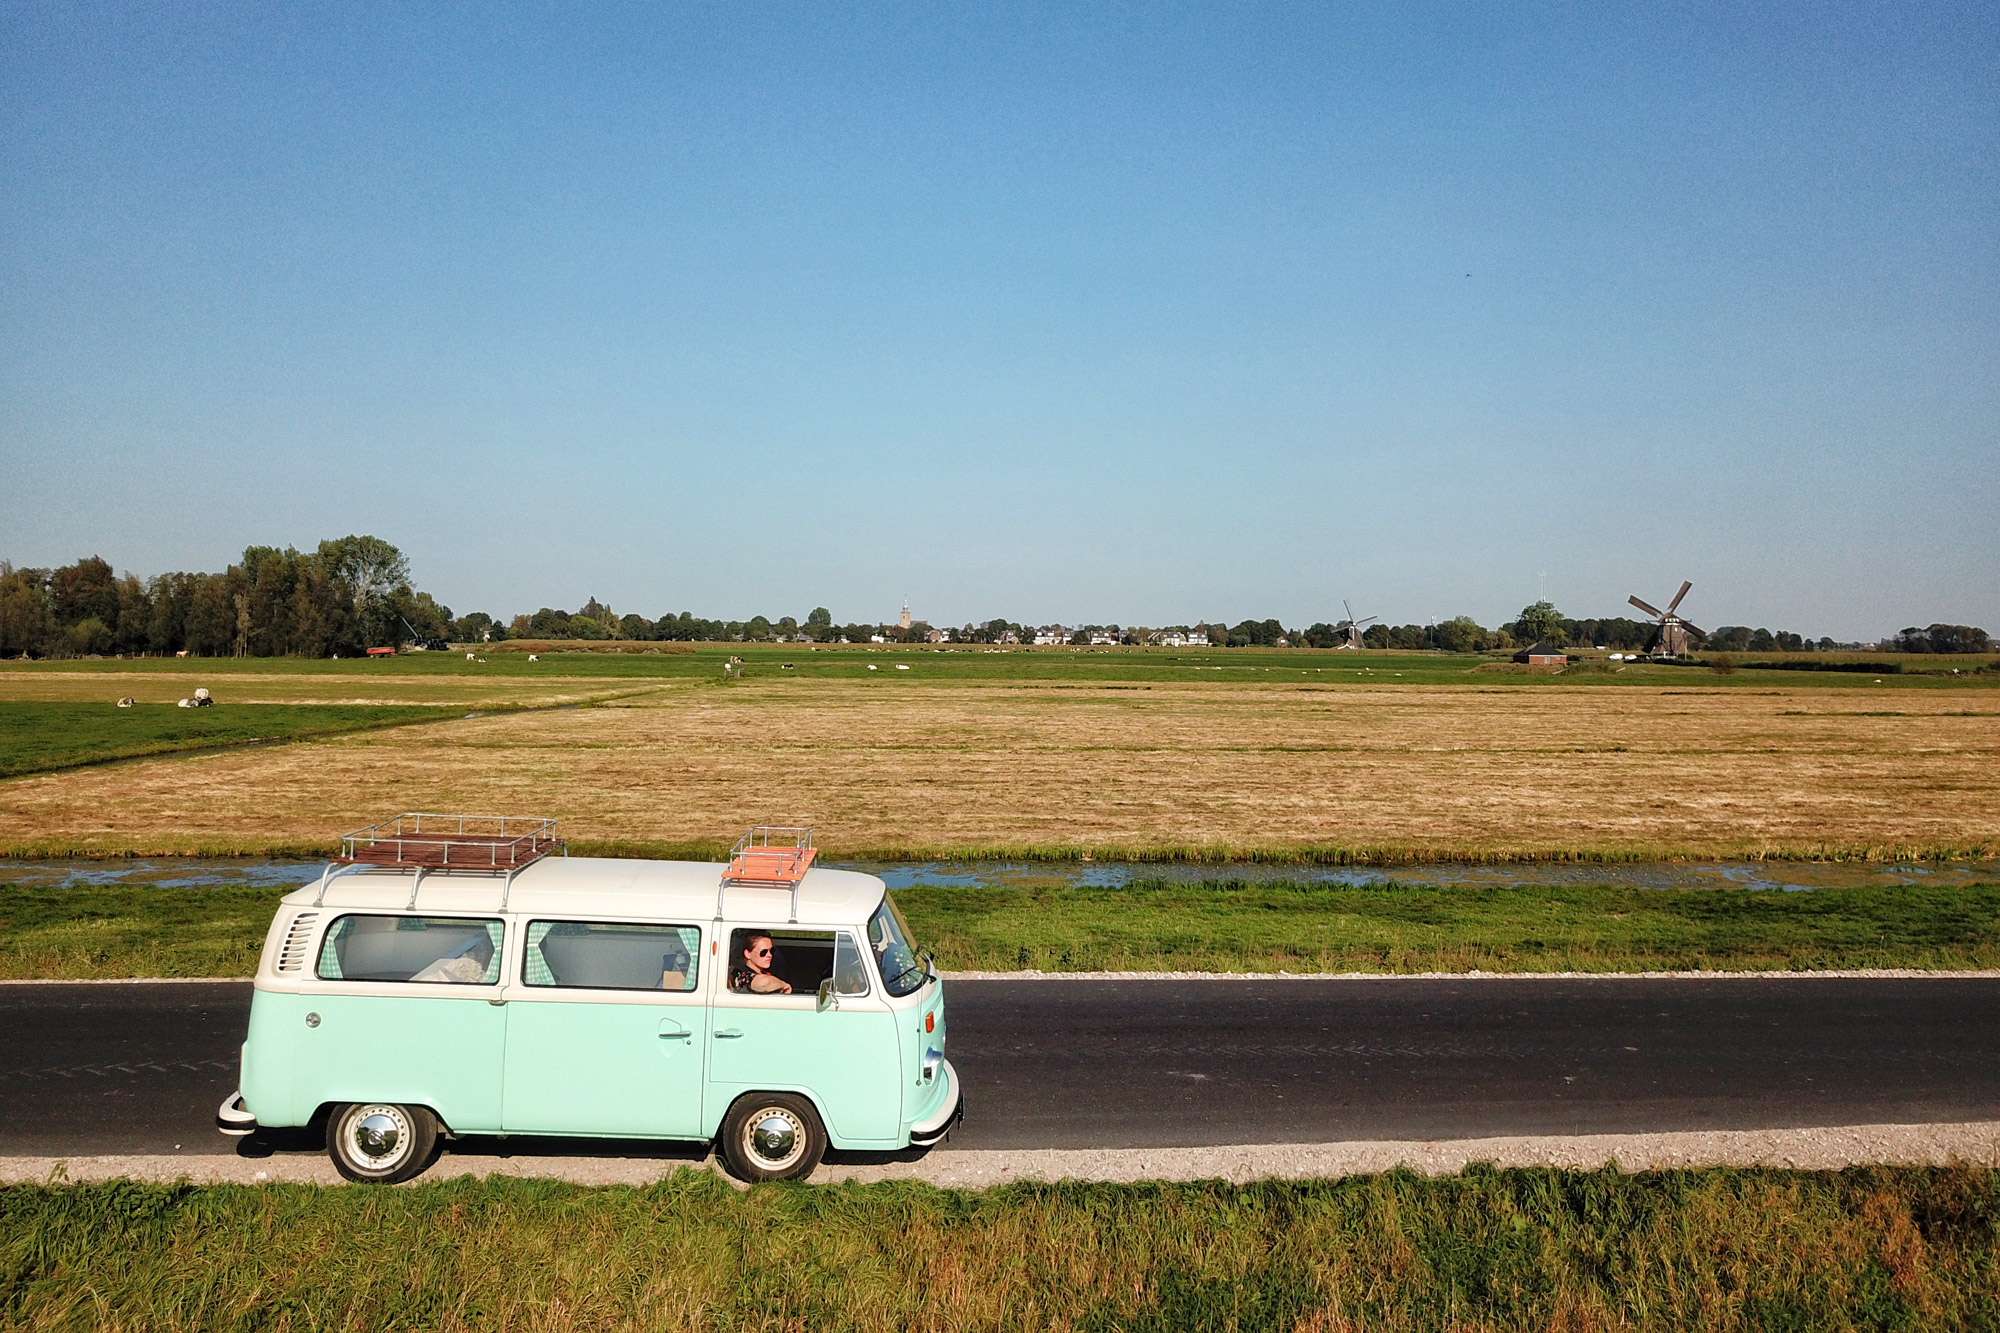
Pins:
<point x="889" y="941"/>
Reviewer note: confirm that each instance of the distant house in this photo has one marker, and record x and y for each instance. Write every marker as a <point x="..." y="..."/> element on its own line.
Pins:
<point x="1101" y="637"/>
<point x="938" y="636"/>
<point x="1049" y="634"/>
<point x="1009" y="636"/>
<point x="1171" y="638"/>
<point x="1542" y="654"/>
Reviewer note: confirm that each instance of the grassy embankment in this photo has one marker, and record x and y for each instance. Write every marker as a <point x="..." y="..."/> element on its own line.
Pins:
<point x="1515" y="1249"/>
<point x="150" y="930"/>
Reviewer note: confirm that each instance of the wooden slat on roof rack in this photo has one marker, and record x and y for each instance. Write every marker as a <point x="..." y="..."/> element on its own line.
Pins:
<point x="452" y="842"/>
<point x="768" y="854"/>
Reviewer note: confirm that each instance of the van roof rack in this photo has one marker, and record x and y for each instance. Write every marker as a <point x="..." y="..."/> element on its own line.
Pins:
<point x="451" y="842"/>
<point x="501" y="844"/>
<point x="769" y="856"/>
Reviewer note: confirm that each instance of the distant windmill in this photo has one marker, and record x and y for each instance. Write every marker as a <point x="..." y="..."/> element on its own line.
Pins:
<point x="1674" y="632"/>
<point x="1352" y="627"/>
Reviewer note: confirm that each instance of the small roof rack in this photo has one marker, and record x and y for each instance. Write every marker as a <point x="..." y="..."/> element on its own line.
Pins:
<point x="769" y="856"/>
<point x="425" y="842"/>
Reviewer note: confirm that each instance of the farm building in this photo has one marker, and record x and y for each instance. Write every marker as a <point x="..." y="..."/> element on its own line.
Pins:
<point x="1542" y="654"/>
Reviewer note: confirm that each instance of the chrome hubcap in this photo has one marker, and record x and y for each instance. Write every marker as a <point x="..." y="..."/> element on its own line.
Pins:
<point x="776" y="1137"/>
<point x="379" y="1135"/>
<point x="376" y="1136"/>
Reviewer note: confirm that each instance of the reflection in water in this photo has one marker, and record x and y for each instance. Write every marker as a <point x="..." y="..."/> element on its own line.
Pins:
<point x="196" y="872"/>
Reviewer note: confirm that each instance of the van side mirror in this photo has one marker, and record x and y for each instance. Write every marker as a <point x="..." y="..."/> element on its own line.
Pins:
<point x="824" y="1000"/>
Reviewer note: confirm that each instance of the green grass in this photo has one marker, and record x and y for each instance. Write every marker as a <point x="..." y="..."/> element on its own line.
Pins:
<point x="42" y="737"/>
<point x="1536" y="1249"/>
<point x="131" y="930"/>
<point x="125" y="930"/>
<point x="970" y="663"/>
<point x="1269" y="927"/>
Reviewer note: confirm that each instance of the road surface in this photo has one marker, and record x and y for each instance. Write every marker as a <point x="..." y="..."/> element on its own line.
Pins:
<point x="139" y="1068"/>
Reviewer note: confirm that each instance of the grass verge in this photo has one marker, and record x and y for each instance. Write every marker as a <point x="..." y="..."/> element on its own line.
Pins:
<point x="131" y="930"/>
<point x="1270" y="927"/>
<point x="95" y="931"/>
<point x="43" y="737"/>
<point x="1516" y="1249"/>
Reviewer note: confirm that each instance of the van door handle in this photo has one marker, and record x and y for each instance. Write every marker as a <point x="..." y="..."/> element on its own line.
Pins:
<point x="728" y="1032"/>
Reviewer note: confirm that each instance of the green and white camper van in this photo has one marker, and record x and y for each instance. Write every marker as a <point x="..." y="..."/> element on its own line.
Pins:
<point x="449" y="976"/>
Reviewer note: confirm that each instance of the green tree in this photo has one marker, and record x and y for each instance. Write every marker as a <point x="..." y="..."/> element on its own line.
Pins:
<point x="24" y="611"/>
<point x="1540" y="623"/>
<point x="372" y="570"/>
<point x="83" y="591"/>
<point x="1460" y="634"/>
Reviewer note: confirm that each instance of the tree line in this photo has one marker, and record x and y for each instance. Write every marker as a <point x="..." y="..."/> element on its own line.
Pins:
<point x="355" y="593"/>
<point x="346" y="596"/>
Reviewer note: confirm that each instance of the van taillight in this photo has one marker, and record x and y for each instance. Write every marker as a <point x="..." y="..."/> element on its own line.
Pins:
<point x="930" y="1022"/>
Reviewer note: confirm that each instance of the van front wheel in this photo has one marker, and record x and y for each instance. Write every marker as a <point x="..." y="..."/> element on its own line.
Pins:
<point x="379" y="1142"/>
<point x="772" y="1136"/>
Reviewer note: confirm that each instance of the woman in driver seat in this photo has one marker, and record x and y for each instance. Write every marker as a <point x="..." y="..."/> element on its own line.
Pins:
<point x="753" y="972"/>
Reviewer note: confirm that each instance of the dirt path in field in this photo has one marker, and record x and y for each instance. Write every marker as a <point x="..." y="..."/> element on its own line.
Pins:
<point x="896" y="766"/>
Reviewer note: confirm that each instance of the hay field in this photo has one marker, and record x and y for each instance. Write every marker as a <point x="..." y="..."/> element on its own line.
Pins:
<point x="894" y="767"/>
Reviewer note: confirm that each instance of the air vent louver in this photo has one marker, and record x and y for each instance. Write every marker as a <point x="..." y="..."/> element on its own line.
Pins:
<point x="292" y="957"/>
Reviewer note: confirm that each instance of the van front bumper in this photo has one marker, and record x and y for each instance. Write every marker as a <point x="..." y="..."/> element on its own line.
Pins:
<point x="233" y="1118"/>
<point x="937" y="1126"/>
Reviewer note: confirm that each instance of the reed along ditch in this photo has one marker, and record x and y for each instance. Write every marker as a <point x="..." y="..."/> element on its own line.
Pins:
<point x="206" y="917"/>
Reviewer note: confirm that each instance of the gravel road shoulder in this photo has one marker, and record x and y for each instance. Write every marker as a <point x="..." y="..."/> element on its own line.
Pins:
<point x="1824" y="1149"/>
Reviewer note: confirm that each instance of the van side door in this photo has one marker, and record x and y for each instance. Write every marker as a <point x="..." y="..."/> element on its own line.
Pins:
<point x="845" y="1057"/>
<point x="399" y="1009"/>
<point x="607" y="1030"/>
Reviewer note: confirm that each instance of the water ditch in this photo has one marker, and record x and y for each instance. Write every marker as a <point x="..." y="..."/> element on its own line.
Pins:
<point x="1784" y="876"/>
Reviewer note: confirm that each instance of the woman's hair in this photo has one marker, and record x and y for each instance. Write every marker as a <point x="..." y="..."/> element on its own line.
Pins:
<point x="750" y="942"/>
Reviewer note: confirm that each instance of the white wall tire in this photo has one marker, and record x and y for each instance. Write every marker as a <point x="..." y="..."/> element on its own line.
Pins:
<point x="772" y="1136"/>
<point x="380" y="1143"/>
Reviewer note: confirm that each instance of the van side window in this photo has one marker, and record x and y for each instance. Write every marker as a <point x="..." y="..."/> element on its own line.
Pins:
<point x="448" y="950"/>
<point x="611" y="955"/>
<point x="779" y="962"/>
<point x="850" y="974"/>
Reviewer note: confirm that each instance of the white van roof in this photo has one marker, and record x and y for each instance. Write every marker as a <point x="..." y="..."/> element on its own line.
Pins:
<point x="556" y="886"/>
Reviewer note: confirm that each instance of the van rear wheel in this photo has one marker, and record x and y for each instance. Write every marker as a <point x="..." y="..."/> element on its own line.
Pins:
<point x="380" y="1142"/>
<point x="772" y="1136"/>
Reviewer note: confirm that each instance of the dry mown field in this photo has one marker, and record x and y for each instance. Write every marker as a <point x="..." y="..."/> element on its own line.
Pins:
<point x="888" y="767"/>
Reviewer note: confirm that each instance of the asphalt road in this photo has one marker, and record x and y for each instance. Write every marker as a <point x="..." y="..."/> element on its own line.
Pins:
<point x="90" y="1069"/>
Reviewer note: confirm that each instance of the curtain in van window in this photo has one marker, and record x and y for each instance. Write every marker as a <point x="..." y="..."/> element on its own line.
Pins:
<point x="493" y="932"/>
<point x="536" y="972"/>
<point x="329" y="956"/>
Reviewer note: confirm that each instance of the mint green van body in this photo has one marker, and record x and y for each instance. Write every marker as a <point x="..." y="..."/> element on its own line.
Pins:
<point x="589" y="997"/>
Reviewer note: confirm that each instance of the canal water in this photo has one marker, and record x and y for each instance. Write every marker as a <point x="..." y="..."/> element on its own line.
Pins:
<point x="1794" y="876"/>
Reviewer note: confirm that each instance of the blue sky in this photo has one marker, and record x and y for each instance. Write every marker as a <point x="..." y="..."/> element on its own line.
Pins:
<point x="1047" y="312"/>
